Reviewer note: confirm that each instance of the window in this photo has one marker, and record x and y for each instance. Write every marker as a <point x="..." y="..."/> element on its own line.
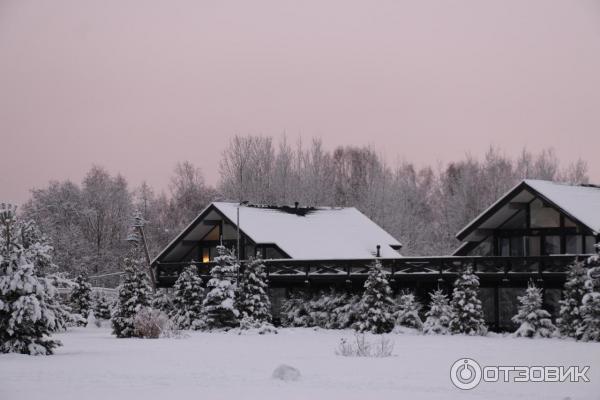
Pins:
<point x="504" y="247"/>
<point x="590" y="242"/>
<point x="573" y="244"/>
<point x="518" y="221"/>
<point x="517" y="247"/>
<point x="543" y="217"/>
<point x="249" y="251"/>
<point x="484" y="248"/>
<point x="532" y="244"/>
<point x="272" y="253"/>
<point x="551" y="245"/>
<point x="205" y="254"/>
<point x="569" y="223"/>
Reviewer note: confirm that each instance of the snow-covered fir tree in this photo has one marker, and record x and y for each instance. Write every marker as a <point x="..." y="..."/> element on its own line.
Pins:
<point x="187" y="300"/>
<point x="252" y="301"/>
<point x="295" y="311"/>
<point x="377" y="305"/>
<point x="532" y="319"/>
<point x="30" y="310"/>
<point x="80" y="299"/>
<point x="439" y="314"/>
<point x="408" y="311"/>
<point x="569" y="321"/>
<point x="590" y="304"/>
<point x="162" y="301"/>
<point x="134" y="293"/>
<point x="467" y="312"/>
<point x="101" y="305"/>
<point x="218" y="308"/>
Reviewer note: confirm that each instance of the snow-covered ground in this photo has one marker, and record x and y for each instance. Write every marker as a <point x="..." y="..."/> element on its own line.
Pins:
<point x="92" y="364"/>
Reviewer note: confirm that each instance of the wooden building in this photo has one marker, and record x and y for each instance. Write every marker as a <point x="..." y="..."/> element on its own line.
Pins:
<point x="533" y="232"/>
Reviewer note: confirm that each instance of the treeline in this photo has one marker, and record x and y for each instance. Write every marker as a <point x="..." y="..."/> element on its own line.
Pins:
<point x="422" y="207"/>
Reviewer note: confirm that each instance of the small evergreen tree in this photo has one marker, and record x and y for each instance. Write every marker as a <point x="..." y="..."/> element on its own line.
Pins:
<point x="187" y="300"/>
<point x="218" y="308"/>
<point x="295" y="311"/>
<point x="467" y="313"/>
<point x="377" y="305"/>
<point x="30" y="310"/>
<point x="570" y="321"/>
<point x="439" y="314"/>
<point x="161" y="301"/>
<point x="590" y="305"/>
<point x="533" y="321"/>
<point x="408" y="312"/>
<point x="134" y="293"/>
<point x="81" y="299"/>
<point x="102" y="306"/>
<point x="253" y="302"/>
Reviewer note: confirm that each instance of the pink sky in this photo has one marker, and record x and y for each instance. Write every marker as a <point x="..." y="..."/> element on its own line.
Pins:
<point x="138" y="85"/>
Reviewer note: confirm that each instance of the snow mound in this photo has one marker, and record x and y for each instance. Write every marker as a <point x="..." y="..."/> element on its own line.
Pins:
<point x="286" y="373"/>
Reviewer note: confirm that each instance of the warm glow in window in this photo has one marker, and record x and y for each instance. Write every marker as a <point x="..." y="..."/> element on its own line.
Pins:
<point x="205" y="255"/>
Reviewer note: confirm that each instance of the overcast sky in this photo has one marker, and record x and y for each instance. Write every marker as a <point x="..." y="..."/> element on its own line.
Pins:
<point x="138" y="85"/>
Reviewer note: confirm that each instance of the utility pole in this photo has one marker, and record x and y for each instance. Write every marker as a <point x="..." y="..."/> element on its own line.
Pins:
<point x="138" y="225"/>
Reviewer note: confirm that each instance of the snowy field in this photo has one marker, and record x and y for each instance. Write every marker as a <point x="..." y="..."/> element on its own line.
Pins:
<point x="92" y="364"/>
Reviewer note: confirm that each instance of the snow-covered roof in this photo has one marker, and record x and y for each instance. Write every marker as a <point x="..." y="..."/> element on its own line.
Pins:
<point x="303" y="233"/>
<point x="580" y="202"/>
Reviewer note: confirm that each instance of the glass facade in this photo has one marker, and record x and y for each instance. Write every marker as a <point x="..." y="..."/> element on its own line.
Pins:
<point x="552" y="245"/>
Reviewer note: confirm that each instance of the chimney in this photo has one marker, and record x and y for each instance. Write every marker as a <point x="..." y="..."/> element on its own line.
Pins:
<point x="378" y="251"/>
<point x="296" y="205"/>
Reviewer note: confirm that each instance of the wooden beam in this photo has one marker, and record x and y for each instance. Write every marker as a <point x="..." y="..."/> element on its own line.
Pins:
<point x="517" y="206"/>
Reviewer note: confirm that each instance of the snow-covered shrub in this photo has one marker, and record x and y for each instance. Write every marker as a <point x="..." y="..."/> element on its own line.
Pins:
<point x="439" y="314"/>
<point x="361" y="347"/>
<point x="467" y="312"/>
<point x="295" y="311"/>
<point x="150" y="323"/>
<point x="187" y="300"/>
<point x="570" y="322"/>
<point x="252" y="299"/>
<point x="102" y="306"/>
<point x="252" y="325"/>
<point x="407" y="313"/>
<point x="218" y="308"/>
<point x="286" y="373"/>
<point x="533" y="321"/>
<point x="30" y="310"/>
<point x="134" y="294"/>
<point x="80" y="298"/>
<point x="377" y="305"/>
<point x="590" y="304"/>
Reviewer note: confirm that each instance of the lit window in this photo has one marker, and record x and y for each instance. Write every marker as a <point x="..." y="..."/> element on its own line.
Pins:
<point x="205" y="255"/>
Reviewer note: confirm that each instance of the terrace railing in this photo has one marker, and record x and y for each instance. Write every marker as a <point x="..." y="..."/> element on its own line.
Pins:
<point x="290" y="270"/>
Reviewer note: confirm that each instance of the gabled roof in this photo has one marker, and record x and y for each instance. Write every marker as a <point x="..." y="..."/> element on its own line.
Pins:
<point x="580" y="203"/>
<point x="302" y="233"/>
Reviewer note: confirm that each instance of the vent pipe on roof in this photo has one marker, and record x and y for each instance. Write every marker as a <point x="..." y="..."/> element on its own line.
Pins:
<point x="296" y="205"/>
<point x="378" y="251"/>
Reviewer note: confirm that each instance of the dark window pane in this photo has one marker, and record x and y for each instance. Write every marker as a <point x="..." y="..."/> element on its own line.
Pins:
<point x="551" y="245"/>
<point x="533" y="245"/>
<point x="573" y="244"/>
<point x="516" y="246"/>
<point x="590" y="242"/>
<point x="543" y="217"/>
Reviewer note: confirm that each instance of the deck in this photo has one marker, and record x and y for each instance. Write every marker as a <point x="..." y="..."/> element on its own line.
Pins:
<point x="491" y="270"/>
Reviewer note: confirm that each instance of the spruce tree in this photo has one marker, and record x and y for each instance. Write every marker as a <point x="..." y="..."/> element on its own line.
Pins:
<point x="187" y="300"/>
<point x="533" y="321"/>
<point x="570" y="321"/>
<point x="134" y="293"/>
<point x="467" y="312"/>
<point x="439" y="314"/>
<point x="80" y="299"/>
<point x="590" y="305"/>
<point x="102" y="306"/>
<point x="253" y="302"/>
<point x="218" y="308"/>
<point x="408" y="312"/>
<point x="377" y="305"/>
<point x="30" y="310"/>
<point x="161" y="301"/>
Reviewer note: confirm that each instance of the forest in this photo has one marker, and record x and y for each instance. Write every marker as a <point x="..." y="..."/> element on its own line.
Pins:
<point x="87" y="223"/>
